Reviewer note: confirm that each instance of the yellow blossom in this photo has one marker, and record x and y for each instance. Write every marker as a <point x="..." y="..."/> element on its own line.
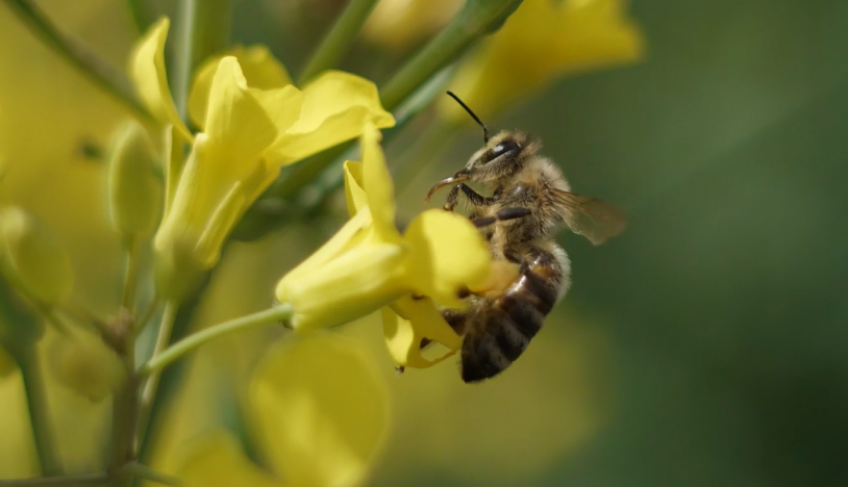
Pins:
<point x="397" y="25"/>
<point x="252" y="121"/>
<point x="32" y="259"/>
<point x="542" y="41"/>
<point x="368" y="264"/>
<point x="319" y="410"/>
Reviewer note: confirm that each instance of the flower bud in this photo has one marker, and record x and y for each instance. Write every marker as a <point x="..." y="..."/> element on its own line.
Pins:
<point x="32" y="259"/>
<point x="134" y="191"/>
<point x="83" y="363"/>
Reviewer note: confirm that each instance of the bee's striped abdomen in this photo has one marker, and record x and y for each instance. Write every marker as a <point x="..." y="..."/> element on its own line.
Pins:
<point x="500" y="328"/>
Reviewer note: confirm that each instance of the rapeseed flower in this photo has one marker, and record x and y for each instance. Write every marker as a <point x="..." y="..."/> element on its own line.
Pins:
<point x="369" y="264"/>
<point x="252" y="121"/>
<point x="541" y="42"/>
<point x="319" y="414"/>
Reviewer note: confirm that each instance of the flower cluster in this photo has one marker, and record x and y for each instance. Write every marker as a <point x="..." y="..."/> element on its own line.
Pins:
<point x="368" y="264"/>
<point x="189" y="166"/>
<point x="252" y="121"/>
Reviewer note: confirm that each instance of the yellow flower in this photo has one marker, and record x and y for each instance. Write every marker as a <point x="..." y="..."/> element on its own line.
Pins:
<point x="368" y="264"/>
<point x="319" y="411"/>
<point x="252" y="121"/>
<point x="397" y="25"/>
<point x="542" y="41"/>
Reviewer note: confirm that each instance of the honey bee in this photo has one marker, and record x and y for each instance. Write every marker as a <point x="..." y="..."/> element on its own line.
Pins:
<point x="530" y="201"/>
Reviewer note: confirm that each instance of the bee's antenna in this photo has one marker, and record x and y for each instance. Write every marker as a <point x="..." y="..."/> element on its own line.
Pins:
<point x="463" y="105"/>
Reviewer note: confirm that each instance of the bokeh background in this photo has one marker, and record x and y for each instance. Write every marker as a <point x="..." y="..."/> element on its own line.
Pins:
<point x="706" y="346"/>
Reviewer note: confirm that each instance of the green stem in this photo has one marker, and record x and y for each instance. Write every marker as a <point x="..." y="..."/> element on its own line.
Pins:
<point x="203" y="30"/>
<point x="84" y="60"/>
<point x="64" y="481"/>
<point x="124" y="405"/>
<point x="276" y="314"/>
<point x="338" y="40"/>
<point x="124" y="411"/>
<point x="130" y="273"/>
<point x="147" y="473"/>
<point x="39" y="414"/>
<point x="141" y="14"/>
<point x="163" y="338"/>
<point x="145" y="317"/>
<point x="476" y="19"/>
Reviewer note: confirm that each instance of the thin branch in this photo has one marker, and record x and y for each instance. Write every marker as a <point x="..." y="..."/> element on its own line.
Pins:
<point x="148" y="473"/>
<point x="39" y="414"/>
<point x="163" y="338"/>
<point x="338" y="40"/>
<point x="65" y="481"/>
<point x="277" y="314"/>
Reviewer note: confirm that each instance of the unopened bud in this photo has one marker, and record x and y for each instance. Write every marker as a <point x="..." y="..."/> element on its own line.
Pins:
<point x="32" y="259"/>
<point x="84" y="364"/>
<point x="134" y="190"/>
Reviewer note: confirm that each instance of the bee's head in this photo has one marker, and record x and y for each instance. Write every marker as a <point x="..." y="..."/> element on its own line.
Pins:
<point x="502" y="157"/>
<point x="498" y="161"/>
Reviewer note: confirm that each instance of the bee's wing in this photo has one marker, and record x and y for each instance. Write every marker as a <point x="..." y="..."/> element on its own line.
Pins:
<point x="594" y="219"/>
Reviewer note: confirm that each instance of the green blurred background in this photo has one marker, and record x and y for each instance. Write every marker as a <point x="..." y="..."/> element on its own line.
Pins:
<point x="706" y="346"/>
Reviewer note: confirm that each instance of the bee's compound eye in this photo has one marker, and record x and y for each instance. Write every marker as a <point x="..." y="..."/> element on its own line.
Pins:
<point x="504" y="147"/>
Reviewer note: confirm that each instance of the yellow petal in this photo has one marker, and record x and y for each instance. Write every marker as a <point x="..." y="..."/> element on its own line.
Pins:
<point x="447" y="254"/>
<point x="320" y="411"/>
<point x="378" y="184"/>
<point x="543" y="40"/>
<point x="602" y="35"/>
<point x="407" y="322"/>
<point x="147" y="69"/>
<point x="336" y="108"/>
<point x="217" y="460"/>
<point x="241" y="122"/>
<point x="355" y="283"/>
<point x="352" y="232"/>
<point x="354" y="193"/>
<point x="261" y="70"/>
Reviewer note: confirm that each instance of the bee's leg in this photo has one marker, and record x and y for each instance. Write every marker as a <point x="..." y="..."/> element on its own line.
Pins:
<point x="502" y="215"/>
<point x="474" y="197"/>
